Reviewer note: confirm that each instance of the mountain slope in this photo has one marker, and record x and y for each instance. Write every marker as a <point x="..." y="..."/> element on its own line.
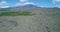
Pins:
<point x="17" y="8"/>
<point x="27" y="7"/>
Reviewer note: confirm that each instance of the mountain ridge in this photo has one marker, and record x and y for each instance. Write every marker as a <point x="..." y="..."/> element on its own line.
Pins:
<point x="24" y="7"/>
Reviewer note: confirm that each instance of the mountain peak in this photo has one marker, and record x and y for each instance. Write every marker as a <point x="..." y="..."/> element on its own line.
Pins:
<point x="29" y="6"/>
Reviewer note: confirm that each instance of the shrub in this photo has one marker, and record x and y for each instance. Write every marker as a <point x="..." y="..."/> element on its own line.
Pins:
<point x="23" y="13"/>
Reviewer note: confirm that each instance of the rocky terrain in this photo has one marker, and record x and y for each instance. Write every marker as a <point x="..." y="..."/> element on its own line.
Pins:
<point x="43" y="21"/>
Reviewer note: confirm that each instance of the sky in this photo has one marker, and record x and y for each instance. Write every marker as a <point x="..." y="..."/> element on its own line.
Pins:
<point x="41" y="3"/>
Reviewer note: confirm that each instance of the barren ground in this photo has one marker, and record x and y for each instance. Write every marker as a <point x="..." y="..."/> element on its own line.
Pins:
<point x="43" y="21"/>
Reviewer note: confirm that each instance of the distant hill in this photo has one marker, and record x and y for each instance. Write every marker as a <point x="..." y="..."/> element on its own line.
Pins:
<point x="27" y="7"/>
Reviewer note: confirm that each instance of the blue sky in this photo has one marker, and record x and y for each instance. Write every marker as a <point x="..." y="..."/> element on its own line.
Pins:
<point x="42" y="3"/>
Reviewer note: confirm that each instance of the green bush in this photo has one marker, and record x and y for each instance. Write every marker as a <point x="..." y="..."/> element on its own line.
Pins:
<point x="23" y="13"/>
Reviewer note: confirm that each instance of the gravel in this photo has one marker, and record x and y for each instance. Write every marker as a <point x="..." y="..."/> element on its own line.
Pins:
<point x="43" y="22"/>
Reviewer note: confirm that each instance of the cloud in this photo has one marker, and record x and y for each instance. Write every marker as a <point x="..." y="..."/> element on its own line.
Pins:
<point x="3" y="4"/>
<point x="29" y="3"/>
<point x="58" y="7"/>
<point x="55" y="1"/>
<point x="24" y="2"/>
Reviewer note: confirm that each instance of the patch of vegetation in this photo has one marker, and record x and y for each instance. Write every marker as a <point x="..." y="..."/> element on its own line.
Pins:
<point x="40" y="13"/>
<point x="22" y="13"/>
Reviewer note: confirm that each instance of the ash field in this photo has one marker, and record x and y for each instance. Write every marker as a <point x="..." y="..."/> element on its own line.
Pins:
<point x="44" y="20"/>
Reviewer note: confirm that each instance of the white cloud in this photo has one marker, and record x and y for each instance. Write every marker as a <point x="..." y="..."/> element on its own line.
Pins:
<point x="5" y="7"/>
<point x="29" y="3"/>
<point x="25" y="2"/>
<point x="3" y="4"/>
<point x="55" y="1"/>
<point x="58" y="7"/>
